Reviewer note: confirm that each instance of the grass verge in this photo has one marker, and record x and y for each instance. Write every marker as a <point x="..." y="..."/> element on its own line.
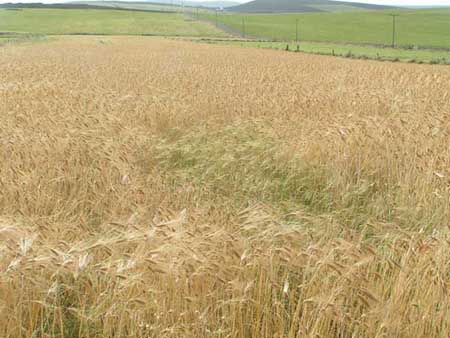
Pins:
<point x="431" y="56"/>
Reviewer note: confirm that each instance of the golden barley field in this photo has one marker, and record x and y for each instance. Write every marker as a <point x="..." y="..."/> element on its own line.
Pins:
<point x="169" y="189"/>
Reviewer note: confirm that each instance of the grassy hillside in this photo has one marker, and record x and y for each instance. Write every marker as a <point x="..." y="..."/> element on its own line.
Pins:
<point x="82" y="5"/>
<point x="140" y="5"/>
<point x="285" y="6"/>
<point x="414" y="27"/>
<point x="149" y="6"/>
<point x="61" y="21"/>
<point x="185" y="3"/>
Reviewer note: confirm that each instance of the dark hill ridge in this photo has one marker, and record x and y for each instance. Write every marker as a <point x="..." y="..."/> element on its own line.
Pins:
<point x="286" y="6"/>
<point x="40" y="5"/>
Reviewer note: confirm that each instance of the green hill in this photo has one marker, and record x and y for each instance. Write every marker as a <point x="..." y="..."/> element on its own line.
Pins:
<point x="302" y="6"/>
<point x="51" y="21"/>
<point x="425" y="28"/>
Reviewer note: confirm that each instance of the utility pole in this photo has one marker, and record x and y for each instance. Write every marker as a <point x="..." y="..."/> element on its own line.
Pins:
<point x="217" y="17"/>
<point x="296" y="30"/>
<point x="243" y="27"/>
<point x="394" y="16"/>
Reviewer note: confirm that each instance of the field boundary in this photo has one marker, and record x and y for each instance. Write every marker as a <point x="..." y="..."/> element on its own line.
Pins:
<point x="7" y="38"/>
<point x="348" y="55"/>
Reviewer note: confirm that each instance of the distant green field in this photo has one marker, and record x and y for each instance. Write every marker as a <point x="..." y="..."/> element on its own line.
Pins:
<point x="71" y="21"/>
<point x="132" y="5"/>
<point x="354" y="51"/>
<point x="414" y="27"/>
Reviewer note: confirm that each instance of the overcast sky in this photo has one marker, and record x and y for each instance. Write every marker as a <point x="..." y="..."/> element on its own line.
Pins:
<point x="383" y="2"/>
<point x="408" y="2"/>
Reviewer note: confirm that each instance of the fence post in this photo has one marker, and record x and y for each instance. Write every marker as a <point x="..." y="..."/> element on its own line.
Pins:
<point x="394" y="16"/>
